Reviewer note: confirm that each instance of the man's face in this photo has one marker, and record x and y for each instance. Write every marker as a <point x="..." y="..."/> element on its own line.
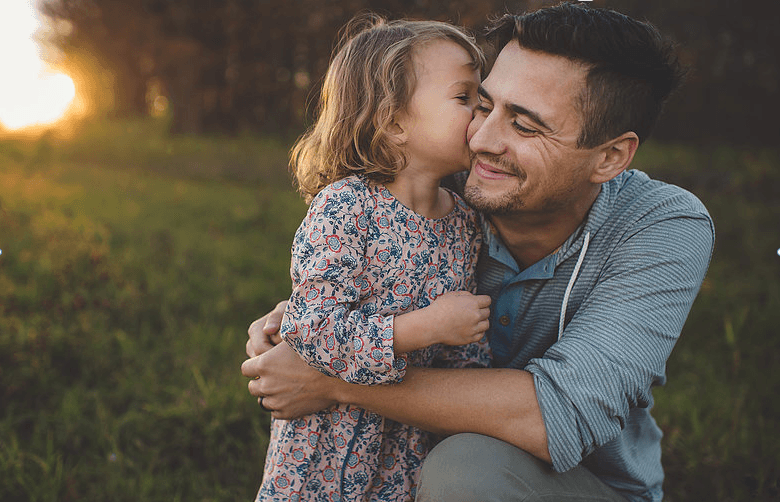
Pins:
<point x="524" y="134"/>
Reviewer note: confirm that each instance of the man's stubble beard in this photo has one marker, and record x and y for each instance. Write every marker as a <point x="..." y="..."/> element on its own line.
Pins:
<point x="505" y="204"/>
<point x="515" y="201"/>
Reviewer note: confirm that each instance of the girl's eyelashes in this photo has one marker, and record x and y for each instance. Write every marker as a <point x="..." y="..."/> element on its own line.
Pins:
<point x="467" y="97"/>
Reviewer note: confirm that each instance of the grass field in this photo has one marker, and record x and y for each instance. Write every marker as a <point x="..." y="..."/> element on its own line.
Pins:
<point x="132" y="263"/>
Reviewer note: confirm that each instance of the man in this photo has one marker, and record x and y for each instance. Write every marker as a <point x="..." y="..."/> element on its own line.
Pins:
<point x="592" y="271"/>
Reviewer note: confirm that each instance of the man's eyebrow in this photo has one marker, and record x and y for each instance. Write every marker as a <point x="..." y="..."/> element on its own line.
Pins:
<point x="516" y="109"/>
<point x="482" y="92"/>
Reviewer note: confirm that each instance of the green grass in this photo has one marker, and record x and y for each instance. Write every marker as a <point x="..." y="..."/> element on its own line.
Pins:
<point x="125" y="293"/>
<point x="719" y="410"/>
<point x="132" y="263"/>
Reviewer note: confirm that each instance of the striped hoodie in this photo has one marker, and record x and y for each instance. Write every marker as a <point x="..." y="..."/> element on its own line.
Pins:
<point x="596" y="321"/>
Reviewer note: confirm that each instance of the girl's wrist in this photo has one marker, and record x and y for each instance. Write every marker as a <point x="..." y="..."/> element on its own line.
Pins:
<point x="412" y="331"/>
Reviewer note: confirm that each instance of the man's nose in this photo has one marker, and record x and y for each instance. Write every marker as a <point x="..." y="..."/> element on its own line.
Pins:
<point x="485" y="135"/>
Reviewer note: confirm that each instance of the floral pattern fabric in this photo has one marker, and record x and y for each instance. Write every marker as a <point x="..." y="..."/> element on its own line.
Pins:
<point x="360" y="257"/>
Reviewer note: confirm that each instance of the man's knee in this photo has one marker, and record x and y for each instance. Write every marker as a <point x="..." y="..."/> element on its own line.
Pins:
<point x="472" y="467"/>
<point x="460" y="468"/>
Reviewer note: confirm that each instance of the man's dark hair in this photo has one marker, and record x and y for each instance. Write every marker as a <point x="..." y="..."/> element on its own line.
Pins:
<point x="631" y="67"/>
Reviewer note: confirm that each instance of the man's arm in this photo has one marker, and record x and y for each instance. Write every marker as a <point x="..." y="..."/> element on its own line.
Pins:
<point x="496" y="402"/>
<point x="500" y="403"/>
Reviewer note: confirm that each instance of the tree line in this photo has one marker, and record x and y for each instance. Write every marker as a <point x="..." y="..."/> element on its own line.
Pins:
<point x="255" y="65"/>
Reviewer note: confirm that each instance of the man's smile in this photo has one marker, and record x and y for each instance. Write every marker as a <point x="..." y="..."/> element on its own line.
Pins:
<point x="490" y="172"/>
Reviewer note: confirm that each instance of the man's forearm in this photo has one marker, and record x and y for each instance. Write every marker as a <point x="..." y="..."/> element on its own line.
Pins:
<point x="495" y="402"/>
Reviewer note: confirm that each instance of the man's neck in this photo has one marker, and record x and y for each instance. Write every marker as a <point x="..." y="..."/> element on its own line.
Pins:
<point x="529" y="238"/>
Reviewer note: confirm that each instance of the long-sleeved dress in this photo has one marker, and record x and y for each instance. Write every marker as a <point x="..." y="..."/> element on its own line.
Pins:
<point x="359" y="258"/>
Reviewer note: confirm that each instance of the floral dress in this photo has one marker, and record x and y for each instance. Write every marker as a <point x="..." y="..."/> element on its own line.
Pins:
<point x="359" y="258"/>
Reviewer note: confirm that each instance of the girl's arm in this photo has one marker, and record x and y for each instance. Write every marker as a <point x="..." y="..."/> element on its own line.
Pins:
<point x="324" y="321"/>
<point x="455" y="318"/>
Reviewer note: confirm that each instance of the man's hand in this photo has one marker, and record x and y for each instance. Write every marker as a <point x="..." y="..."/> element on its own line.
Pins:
<point x="264" y="332"/>
<point x="288" y="387"/>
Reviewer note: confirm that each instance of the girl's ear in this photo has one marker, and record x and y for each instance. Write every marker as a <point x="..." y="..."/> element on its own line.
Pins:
<point x="398" y="130"/>
<point x="397" y="133"/>
<point x="615" y="157"/>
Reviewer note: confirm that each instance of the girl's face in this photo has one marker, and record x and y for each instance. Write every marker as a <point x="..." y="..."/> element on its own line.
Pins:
<point x="435" y="123"/>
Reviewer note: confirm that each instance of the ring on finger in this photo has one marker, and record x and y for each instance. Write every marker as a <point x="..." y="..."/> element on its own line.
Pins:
<point x="262" y="405"/>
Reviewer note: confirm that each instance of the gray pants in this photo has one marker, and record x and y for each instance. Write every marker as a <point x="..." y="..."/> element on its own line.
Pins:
<point x="476" y="468"/>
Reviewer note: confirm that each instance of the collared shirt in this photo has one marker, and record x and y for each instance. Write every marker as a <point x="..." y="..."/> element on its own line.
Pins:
<point x="644" y="249"/>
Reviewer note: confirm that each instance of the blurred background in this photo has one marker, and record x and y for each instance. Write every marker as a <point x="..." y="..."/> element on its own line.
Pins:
<point x="146" y="216"/>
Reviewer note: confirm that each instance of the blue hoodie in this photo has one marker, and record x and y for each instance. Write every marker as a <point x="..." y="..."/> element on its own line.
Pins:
<point x="596" y="321"/>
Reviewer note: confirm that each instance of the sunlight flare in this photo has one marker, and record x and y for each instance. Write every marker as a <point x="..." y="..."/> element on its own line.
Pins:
<point x="31" y="92"/>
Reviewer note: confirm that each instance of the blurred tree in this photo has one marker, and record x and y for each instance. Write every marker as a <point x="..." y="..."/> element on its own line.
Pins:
<point x="234" y="65"/>
<point x="732" y="93"/>
<point x="107" y="42"/>
<point x="227" y="65"/>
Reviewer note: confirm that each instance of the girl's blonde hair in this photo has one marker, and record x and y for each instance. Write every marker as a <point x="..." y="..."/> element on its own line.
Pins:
<point x="370" y="80"/>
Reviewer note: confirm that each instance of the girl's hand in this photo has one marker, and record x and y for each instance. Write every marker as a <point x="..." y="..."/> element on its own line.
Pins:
<point x="264" y="332"/>
<point x="458" y="317"/>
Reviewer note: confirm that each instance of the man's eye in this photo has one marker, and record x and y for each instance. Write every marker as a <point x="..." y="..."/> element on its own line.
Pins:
<point x="482" y="108"/>
<point x="524" y="130"/>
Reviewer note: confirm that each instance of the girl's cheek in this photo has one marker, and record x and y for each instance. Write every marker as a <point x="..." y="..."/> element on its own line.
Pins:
<point x="476" y="121"/>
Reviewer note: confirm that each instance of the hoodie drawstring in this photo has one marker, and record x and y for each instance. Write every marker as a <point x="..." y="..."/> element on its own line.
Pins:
<point x="571" y="283"/>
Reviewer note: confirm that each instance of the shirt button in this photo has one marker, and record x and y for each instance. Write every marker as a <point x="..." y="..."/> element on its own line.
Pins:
<point x="504" y="320"/>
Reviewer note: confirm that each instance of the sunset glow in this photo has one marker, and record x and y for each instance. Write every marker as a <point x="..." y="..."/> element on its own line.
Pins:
<point x="31" y="92"/>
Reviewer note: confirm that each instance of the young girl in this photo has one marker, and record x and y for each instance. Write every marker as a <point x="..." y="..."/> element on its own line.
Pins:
<point x="384" y="261"/>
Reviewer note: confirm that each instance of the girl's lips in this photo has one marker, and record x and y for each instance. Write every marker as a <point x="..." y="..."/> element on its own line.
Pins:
<point x="488" y="172"/>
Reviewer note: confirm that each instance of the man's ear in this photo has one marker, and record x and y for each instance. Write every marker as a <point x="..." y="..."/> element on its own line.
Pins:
<point x="615" y="157"/>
